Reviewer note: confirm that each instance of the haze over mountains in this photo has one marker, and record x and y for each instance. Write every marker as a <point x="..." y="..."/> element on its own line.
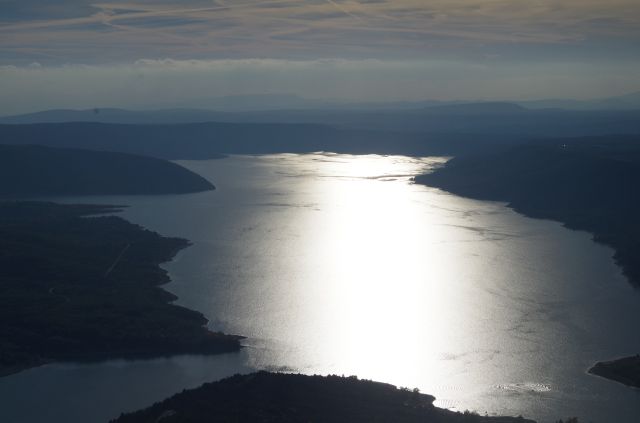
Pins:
<point x="264" y="114"/>
<point x="453" y="129"/>
<point x="629" y="101"/>
<point x="264" y="106"/>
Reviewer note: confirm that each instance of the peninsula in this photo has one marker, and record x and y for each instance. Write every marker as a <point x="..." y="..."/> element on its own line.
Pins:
<point x="35" y="170"/>
<point x="624" y="370"/>
<point x="79" y="287"/>
<point x="276" y="397"/>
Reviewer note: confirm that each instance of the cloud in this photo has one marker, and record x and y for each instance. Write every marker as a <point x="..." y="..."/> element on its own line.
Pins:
<point x="90" y="52"/>
<point x="343" y="9"/>
<point x="83" y="31"/>
<point x="156" y="83"/>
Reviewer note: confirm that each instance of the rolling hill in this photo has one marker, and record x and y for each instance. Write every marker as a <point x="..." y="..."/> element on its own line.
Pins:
<point x="32" y="170"/>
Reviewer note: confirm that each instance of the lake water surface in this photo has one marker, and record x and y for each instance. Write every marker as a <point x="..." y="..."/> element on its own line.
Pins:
<point x="339" y="264"/>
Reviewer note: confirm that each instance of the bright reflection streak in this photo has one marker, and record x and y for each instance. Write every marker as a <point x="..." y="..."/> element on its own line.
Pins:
<point x="338" y="264"/>
<point x="368" y="284"/>
<point x="379" y="281"/>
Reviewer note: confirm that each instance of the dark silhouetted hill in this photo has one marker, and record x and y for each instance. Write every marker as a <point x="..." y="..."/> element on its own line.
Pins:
<point x="288" y="398"/>
<point x="486" y="121"/>
<point x="31" y="170"/>
<point x="629" y="101"/>
<point x="483" y="120"/>
<point x="111" y="115"/>
<point x="240" y="109"/>
<point x="212" y="140"/>
<point x="624" y="370"/>
<point x="587" y="183"/>
<point x="445" y="130"/>
<point x="80" y="288"/>
<point x="291" y="108"/>
<point x="483" y="108"/>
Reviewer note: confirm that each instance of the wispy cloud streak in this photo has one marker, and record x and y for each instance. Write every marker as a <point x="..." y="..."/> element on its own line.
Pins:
<point x="312" y="28"/>
<point x="343" y="9"/>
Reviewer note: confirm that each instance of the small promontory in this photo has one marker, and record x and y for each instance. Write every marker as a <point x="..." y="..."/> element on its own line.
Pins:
<point x="624" y="370"/>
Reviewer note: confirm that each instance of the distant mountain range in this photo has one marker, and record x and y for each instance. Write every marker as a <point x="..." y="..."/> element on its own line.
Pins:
<point x="110" y="115"/>
<point x="267" y="107"/>
<point x="623" y="102"/>
<point x="264" y="102"/>
<point x="265" y="115"/>
<point x="443" y="130"/>
<point x="161" y="116"/>
<point x="30" y="170"/>
<point x="212" y="140"/>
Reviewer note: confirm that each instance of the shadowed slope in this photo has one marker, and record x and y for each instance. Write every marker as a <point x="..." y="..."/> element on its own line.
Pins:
<point x="75" y="288"/>
<point x="586" y="183"/>
<point x="43" y="171"/>
<point x="274" y="397"/>
<point x="624" y="370"/>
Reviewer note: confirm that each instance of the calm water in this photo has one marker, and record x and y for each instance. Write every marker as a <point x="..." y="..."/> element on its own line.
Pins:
<point x="338" y="264"/>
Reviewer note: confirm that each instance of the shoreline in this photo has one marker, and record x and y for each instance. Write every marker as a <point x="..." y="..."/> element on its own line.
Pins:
<point x="623" y="370"/>
<point x="514" y="177"/>
<point x="268" y="396"/>
<point x="626" y="270"/>
<point x="124" y="314"/>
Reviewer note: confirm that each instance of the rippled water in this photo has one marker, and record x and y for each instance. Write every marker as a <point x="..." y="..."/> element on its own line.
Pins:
<point x="339" y="264"/>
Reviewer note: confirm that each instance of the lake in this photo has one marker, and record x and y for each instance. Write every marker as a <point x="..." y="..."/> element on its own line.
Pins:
<point x="340" y="264"/>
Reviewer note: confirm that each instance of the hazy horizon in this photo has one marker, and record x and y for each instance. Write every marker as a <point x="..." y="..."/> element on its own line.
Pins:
<point x="76" y="54"/>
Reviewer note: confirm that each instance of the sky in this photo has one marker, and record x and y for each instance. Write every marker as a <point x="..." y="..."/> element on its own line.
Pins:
<point x="146" y="53"/>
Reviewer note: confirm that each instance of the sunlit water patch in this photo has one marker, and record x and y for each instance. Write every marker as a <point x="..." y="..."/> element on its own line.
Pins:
<point x="340" y="264"/>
